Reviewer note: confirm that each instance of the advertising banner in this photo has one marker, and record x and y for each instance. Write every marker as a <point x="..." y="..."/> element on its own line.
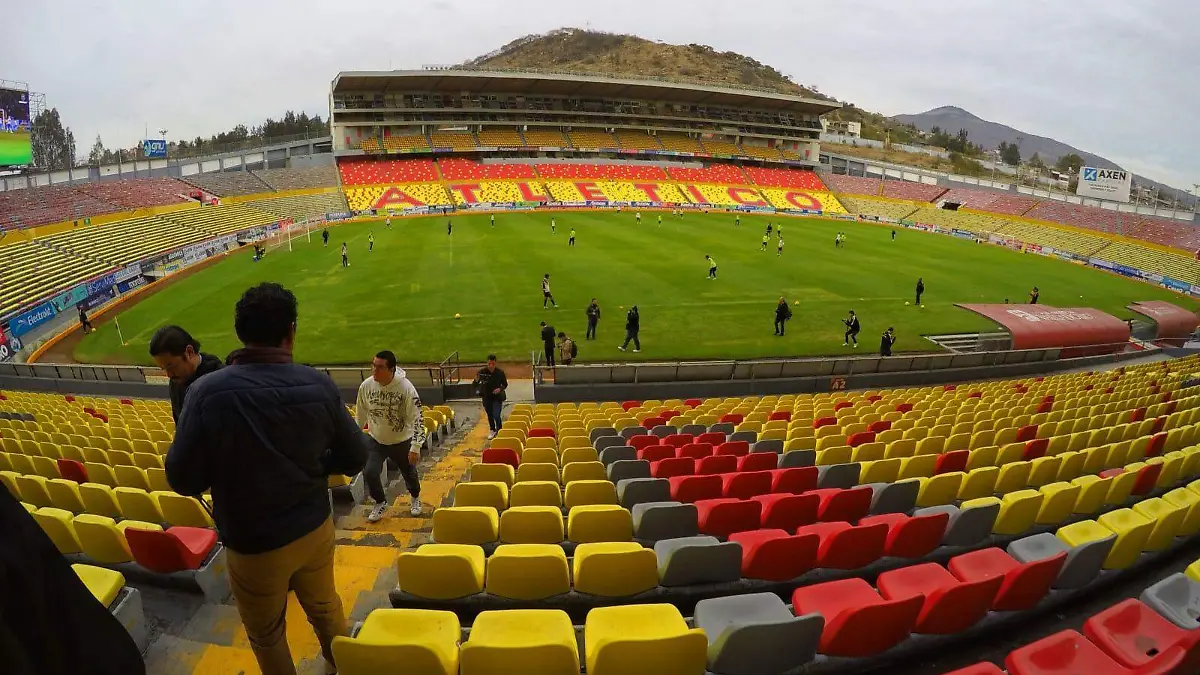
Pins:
<point x="101" y="298"/>
<point x="963" y="234"/>
<point x="68" y="299"/>
<point x="342" y="215"/>
<point x="7" y="352"/>
<point x="96" y="285"/>
<point x="1042" y="326"/>
<point x="136" y="282"/>
<point x="154" y="148"/>
<point x="128" y="272"/>
<point x="1110" y="184"/>
<point x="23" y="323"/>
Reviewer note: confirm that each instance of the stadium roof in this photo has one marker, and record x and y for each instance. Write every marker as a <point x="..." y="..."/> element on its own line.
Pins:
<point x="566" y="84"/>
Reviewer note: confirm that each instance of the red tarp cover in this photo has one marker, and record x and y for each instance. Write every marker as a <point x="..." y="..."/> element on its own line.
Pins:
<point x="1042" y="326"/>
<point x="1174" y="323"/>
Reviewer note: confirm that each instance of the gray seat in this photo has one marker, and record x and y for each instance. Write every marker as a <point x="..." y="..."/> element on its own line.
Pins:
<point x="1177" y="598"/>
<point x="838" y="475"/>
<point x="966" y="527"/>
<point x="601" y="431"/>
<point x="628" y="468"/>
<point x="1036" y="547"/>
<point x="898" y="497"/>
<point x="771" y="445"/>
<point x="1084" y="563"/>
<point x="698" y="560"/>
<point x="607" y="442"/>
<point x="664" y="430"/>
<point x="797" y="458"/>
<point x="756" y="634"/>
<point x="629" y="432"/>
<point x="617" y="453"/>
<point x="723" y="427"/>
<point x="748" y="436"/>
<point x="665" y="520"/>
<point x="633" y="491"/>
<point x="693" y="429"/>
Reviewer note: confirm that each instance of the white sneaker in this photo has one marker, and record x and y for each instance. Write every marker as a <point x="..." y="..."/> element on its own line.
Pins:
<point x="491" y="435"/>
<point x="621" y="348"/>
<point x="377" y="512"/>
<point x="415" y="508"/>
<point x="636" y="351"/>
<point x="845" y="344"/>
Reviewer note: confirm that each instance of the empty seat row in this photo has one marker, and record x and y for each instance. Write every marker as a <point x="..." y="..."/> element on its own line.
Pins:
<point x="157" y="506"/>
<point x="107" y="542"/>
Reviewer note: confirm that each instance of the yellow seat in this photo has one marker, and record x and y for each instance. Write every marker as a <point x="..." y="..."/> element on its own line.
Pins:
<point x="33" y="490"/>
<point x="520" y="641"/>
<point x="1018" y="511"/>
<point x="979" y="458"/>
<point x="541" y="442"/>
<point x="100" y="473"/>
<point x="1071" y="465"/>
<point x="424" y="640"/>
<point x="868" y="452"/>
<point x="536" y="493"/>
<point x="139" y="504"/>
<point x="642" y="640"/>
<point x="901" y="448"/>
<point x="180" y="510"/>
<point x="528" y="571"/>
<point x="493" y="473"/>
<point x="879" y="471"/>
<point x="940" y="489"/>
<point x="917" y="466"/>
<point x="838" y="454"/>
<point x="441" y="571"/>
<point x="64" y="494"/>
<point x="538" y="471"/>
<point x="1093" y="491"/>
<point x="531" y="525"/>
<point x="583" y="471"/>
<point x="58" y="525"/>
<point x="104" y="584"/>
<point x="1132" y="530"/>
<point x="467" y="525"/>
<point x="978" y="483"/>
<point x="1193" y="571"/>
<point x="585" y="492"/>
<point x="1013" y="477"/>
<point x="579" y="455"/>
<point x="1172" y="467"/>
<point x="614" y="569"/>
<point x="1122" y="485"/>
<point x="1168" y="520"/>
<point x="1058" y="502"/>
<point x="1187" y="500"/>
<point x="1083" y="532"/>
<point x="537" y="456"/>
<point x="45" y="467"/>
<point x="103" y="539"/>
<point x="598" y="523"/>
<point x="494" y="495"/>
<point x="1043" y="471"/>
<point x="931" y="445"/>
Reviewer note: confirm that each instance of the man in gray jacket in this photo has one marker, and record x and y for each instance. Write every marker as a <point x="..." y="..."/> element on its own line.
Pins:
<point x="388" y="405"/>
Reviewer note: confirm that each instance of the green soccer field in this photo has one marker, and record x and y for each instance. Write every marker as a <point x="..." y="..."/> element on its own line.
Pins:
<point x="404" y="295"/>
<point x="15" y="148"/>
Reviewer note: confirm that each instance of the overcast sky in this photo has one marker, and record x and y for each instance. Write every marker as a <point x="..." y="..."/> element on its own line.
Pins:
<point x="1114" y="77"/>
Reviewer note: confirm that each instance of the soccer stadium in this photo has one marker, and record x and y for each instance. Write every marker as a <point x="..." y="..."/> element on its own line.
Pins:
<point x="1014" y="489"/>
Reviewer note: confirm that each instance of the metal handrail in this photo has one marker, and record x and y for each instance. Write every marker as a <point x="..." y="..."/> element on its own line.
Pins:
<point x="451" y="362"/>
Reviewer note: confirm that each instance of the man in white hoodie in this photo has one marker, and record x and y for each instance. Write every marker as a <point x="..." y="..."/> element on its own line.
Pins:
<point x="389" y="406"/>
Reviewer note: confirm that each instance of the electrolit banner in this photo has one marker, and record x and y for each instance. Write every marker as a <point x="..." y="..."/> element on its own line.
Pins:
<point x="31" y="319"/>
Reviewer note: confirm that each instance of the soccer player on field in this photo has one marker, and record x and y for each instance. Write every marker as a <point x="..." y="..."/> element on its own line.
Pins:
<point x="852" y="328"/>
<point x="768" y="229"/>
<point x="553" y="226"/>
<point x="387" y="223"/>
<point x="764" y="242"/>
<point x="638" y="216"/>
<point x="712" y="267"/>
<point x="345" y="256"/>
<point x="449" y="227"/>
<point x="571" y="241"/>
<point x="371" y="241"/>
<point x="737" y="220"/>
<point x="493" y="220"/>
<point x="660" y="220"/>
<point x="779" y="247"/>
<point x="547" y="296"/>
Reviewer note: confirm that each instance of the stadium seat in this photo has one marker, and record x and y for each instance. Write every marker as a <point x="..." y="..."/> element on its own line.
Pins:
<point x="424" y="640"/>
<point x="1024" y="585"/>
<point x="653" y="521"/>
<point x="949" y="605"/>
<point x="599" y="523"/>
<point x="787" y="511"/>
<point x="846" y="547"/>
<point x="910" y="537"/>
<point x="520" y="525"/>
<point x="697" y="560"/>
<point x="774" y="555"/>
<point x="858" y="622"/>
<point x="722" y="517"/>
<point x="642" y="640"/>
<point x="527" y="571"/>
<point x="744" y="633"/>
<point x="520" y="640"/>
<point x="441" y="571"/>
<point x="614" y="569"/>
<point x="175" y="550"/>
<point x="472" y="525"/>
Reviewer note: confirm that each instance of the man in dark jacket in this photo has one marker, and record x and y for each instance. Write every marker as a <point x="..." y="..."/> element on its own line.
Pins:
<point x="179" y="355"/>
<point x="264" y="434"/>
<point x="633" y="324"/>
<point x="593" y="317"/>
<point x="920" y="290"/>
<point x="886" y="342"/>
<point x="491" y="382"/>
<point x="548" y="343"/>
<point x="782" y="314"/>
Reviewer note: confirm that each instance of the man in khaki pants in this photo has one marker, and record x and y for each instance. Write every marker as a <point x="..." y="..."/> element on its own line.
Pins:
<point x="264" y="434"/>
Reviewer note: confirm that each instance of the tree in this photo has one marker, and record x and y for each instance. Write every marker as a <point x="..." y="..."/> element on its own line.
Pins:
<point x="98" y="154"/>
<point x="53" y="144"/>
<point x="1010" y="154"/>
<point x="1036" y="162"/>
<point x="1069" y="163"/>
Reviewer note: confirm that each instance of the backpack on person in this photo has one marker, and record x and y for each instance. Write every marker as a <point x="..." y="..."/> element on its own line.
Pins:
<point x="574" y="349"/>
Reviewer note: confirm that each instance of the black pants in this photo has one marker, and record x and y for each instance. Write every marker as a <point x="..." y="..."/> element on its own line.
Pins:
<point x="493" y="408"/>
<point x="549" y="347"/>
<point x="571" y="241"/>
<point x="779" y="326"/>
<point x="548" y="297"/>
<point x="712" y="273"/>
<point x="87" y="325"/>
<point x="851" y="336"/>
<point x="919" y="297"/>
<point x="591" y="329"/>
<point x="345" y="261"/>
<point x="632" y="335"/>
<point x="398" y="453"/>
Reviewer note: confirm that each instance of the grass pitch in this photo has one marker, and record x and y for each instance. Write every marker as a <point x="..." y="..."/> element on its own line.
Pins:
<point x="15" y="148"/>
<point x="404" y="295"/>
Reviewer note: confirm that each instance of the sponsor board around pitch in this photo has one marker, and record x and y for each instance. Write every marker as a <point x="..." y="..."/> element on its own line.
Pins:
<point x="96" y="285"/>
<point x="154" y="148"/>
<point x="100" y="299"/>
<point x="8" y="347"/>
<point x="1109" y="184"/>
<point x="24" y="323"/>
<point x="127" y="272"/>
<point x="68" y="299"/>
<point x="130" y="284"/>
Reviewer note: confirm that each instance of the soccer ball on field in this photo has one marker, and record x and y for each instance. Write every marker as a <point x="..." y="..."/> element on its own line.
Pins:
<point x="906" y="303"/>
<point x="457" y="315"/>
<point x="796" y="302"/>
<point x="922" y="306"/>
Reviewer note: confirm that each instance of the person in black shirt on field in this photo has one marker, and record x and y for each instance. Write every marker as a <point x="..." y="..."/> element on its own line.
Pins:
<point x="491" y="382"/>
<point x="886" y="342"/>
<point x="920" y="289"/>
<point x="852" y="328"/>
<point x="1034" y="295"/>
<point x="633" y="324"/>
<point x="548" y="343"/>
<point x="84" y="321"/>
<point x="893" y="235"/>
<point x="593" y="317"/>
<point x="782" y="314"/>
<point x="178" y="354"/>
<point x="547" y="296"/>
<point x="325" y="237"/>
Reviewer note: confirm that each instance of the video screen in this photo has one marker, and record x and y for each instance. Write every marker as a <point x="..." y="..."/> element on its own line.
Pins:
<point x="16" y="147"/>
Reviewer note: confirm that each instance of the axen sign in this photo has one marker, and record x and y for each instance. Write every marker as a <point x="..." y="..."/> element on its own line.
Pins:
<point x="1090" y="174"/>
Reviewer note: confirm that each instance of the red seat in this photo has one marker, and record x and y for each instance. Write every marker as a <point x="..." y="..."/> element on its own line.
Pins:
<point x="1024" y="585"/>
<point x="732" y="418"/>
<point x="1026" y="433"/>
<point x="673" y="466"/>
<point x="842" y="404"/>
<point x="677" y="440"/>
<point x="693" y="402"/>
<point x="723" y="517"/>
<point x="669" y="415"/>
<point x="908" y="536"/>
<point x="1069" y="653"/>
<point x="1146" y="479"/>
<point x="787" y="511"/>
<point x="745" y="484"/>
<point x="69" y="398"/>
<point x="775" y="555"/>
<point x="1159" y="423"/>
<point x="984" y="668"/>
<point x="858" y="438"/>
<point x="794" y="480"/>
<point x="824" y="422"/>
<point x="630" y="405"/>
<point x="1109" y="473"/>
<point x="758" y="461"/>
<point x="71" y="469"/>
<point x="1157" y="442"/>
<point x="717" y="464"/>
<point x="690" y="489"/>
<point x="903" y="407"/>
<point x="949" y="605"/>
<point x="847" y="505"/>
<point x="713" y="438"/>
<point x="785" y="415"/>
<point x="651" y="422"/>
<point x="858" y="622"/>
<point x="695" y="450"/>
<point x="639" y="442"/>
<point x="1139" y="414"/>
<point x="1132" y="633"/>
<point x="501" y="456"/>
<point x="540" y="432"/>
<point x="951" y="461"/>
<point x="175" y="550"/>
<point x="126" y="401"/>
<point x="735" y="448"/>
<point x="879" y="425"/>
<point x="949" y="387"/>
<point x="1035" y="448"/>
<point x="846" y="547"/>
<point x="655" y="453"/>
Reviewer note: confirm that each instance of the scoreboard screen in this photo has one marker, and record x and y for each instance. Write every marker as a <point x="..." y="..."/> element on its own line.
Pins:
<point x="16" y="147"/>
